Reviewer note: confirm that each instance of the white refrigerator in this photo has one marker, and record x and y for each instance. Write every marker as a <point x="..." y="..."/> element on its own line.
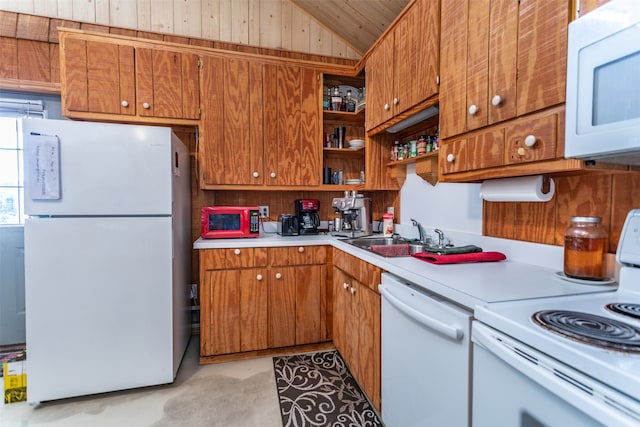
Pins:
<point x="107" y="256"/>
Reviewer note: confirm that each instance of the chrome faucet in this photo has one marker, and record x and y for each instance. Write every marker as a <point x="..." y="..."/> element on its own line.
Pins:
<point x="440" y="237"/>
<point x="424" y="237"/>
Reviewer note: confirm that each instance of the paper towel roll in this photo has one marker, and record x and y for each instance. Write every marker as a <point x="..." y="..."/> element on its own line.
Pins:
<point x="521" y="189"/>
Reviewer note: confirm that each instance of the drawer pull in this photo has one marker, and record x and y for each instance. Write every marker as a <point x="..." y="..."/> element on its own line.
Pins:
<point x="256" y="174"/>
<point x="259" y="277"/>
<point x="496" y="100"/>
<point x="236" y="251"/>
<point x="530" y="140"/>
<point x="345" y="285"/>
<point x="473" y="109"/>
<point x="146" y="106"/>
<point x="124" y="103"/>
<point x="450" y="158"/>
<point x="386" y="107"/>
<point x="395" y="101"/>
<point x="273" y="174"/>
<point x="352" y="290"/>
<point x="301" y="249"/>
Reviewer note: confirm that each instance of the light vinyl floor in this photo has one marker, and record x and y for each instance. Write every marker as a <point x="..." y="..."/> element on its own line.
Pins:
<point x="233" y="394"/>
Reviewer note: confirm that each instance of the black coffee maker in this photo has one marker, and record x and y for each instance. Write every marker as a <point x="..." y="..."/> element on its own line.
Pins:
<point x="308" y="218"/>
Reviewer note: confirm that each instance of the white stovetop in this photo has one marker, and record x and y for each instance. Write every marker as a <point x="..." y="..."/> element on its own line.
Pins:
<point x="465" y="284"/>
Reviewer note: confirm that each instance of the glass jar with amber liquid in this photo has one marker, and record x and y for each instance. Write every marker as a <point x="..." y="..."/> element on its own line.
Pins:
<point x="585" y="243"/>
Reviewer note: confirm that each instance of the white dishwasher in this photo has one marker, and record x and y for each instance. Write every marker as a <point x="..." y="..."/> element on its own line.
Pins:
<point x="426" y="357"/>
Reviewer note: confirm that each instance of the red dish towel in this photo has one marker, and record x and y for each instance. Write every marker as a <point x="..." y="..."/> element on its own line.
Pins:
<point x="460" y="258"/>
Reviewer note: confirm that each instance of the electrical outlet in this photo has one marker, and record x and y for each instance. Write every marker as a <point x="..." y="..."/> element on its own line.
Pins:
<point x="264" y="211"/>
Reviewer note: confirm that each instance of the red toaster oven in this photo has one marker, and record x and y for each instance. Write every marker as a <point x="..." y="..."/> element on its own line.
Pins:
<point x="224" y="222"/>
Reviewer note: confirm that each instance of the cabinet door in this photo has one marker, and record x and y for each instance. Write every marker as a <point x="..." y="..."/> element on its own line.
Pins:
<point x="231" y="135"/>
<point x="254" y="321"/>
<point x="405" y="91"/>
<point x="427" y="28"/>
<point x="542" y="54"/>
<point x="233" y="311"/>
<point x="295" y="305"/>
<point x="292" y="126"/>
<point x="453" y="56"/>
<point x="343" y="336"/>
<point x="220" y="312"/>
<point x="369" y="364"/>
<point x="167" y="84"/>
<point x="97" y="77"/>
<point x="379" y="83"/>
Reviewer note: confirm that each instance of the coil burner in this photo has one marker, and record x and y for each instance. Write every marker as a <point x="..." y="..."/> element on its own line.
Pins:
<point x="626" y="309"/>
<point x="591" y="329"/>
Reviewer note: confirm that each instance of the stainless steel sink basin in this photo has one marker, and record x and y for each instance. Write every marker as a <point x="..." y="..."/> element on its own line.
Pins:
<point x="385" y="246"/>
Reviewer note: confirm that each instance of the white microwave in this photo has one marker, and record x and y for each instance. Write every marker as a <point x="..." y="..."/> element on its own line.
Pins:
<point x="603" y="85"/>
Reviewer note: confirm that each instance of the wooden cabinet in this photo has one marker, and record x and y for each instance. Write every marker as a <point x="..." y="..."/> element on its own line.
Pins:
<point x="231" y="132"/>
<point x="402" y="70"/>
<point x="233" y="300"/>
<point x="254" y="299"/>
<point x="525" y="146"/>
<point x="106" y="78"/>
<point x="260" y="124"/>
<point x="356" y="320"/>
<point x="292" y="126"/>
<point x="297" y="292"/>
<point x="500" y="60"/>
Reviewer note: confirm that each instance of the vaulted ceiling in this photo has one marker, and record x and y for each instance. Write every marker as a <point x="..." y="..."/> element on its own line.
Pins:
<point x="358" y="22"/>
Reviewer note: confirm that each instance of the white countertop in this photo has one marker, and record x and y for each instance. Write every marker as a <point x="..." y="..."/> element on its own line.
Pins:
<point x="465" y="284"/>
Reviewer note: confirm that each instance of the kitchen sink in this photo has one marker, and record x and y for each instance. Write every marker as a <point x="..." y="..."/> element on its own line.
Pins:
<point x="385" y="246"/>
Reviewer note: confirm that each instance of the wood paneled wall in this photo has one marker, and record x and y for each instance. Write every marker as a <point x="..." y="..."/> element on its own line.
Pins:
<point x="275" y="24"/>
<point x="609" y="196"/>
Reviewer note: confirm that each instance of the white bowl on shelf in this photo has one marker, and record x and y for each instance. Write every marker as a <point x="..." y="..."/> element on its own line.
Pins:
<point x="356" y="143"/>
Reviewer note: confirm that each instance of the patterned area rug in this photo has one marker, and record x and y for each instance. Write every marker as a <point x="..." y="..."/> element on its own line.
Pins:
<point x="318" y="390"/>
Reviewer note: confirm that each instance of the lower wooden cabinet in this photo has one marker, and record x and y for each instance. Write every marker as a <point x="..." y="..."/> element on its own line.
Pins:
<point x="356" y="320"/>
<point x="259" y="298"/>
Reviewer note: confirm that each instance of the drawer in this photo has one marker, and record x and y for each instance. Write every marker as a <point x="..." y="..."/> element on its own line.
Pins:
<point x="298" y="255"/>
<point x="218" y="259"/>
<point x="352" y="266"/>
<point x="530" y="140"/>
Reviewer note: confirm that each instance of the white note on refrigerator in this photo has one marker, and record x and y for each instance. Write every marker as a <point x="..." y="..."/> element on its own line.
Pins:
<point x="43" y="167"/>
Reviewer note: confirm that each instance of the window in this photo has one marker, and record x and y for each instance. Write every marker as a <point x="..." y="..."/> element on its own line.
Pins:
<point x="11" y="168"/>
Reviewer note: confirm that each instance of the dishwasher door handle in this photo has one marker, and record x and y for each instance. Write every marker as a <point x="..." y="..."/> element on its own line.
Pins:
<point x="450" y="331"/>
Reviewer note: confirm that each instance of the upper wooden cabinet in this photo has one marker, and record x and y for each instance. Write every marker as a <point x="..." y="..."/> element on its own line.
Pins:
<point x="500" y="60"/>
<point x="261" y="124"/>
<point x="292" y="126"/>
<point x="231" y="132"/>
<point x="402" y="69"/>
<point x="105" y="78"/>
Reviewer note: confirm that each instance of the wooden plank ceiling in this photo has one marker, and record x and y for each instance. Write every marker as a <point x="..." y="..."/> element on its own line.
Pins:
<point x="358" y="22"/>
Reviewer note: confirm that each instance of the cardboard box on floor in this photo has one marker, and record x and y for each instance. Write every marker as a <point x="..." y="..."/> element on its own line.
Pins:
<point x="15" y="381"/>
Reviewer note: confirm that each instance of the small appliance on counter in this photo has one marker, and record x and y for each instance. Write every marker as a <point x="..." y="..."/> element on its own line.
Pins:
<point x="307" y="214"/>
<point x="355" y="211"/>
<point x="288" y="225"/>
<point x="226" y="222"/>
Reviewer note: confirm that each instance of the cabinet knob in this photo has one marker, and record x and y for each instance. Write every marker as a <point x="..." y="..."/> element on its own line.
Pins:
<point x="273" y="175"/>
<point x="146" y="106"/>
<point x="236" y="251"/>
<point x="345" y="285"/>
<point x="496" y="100"/>
<point x="395" y="101"/>
<point x="124" y="103"/>
<point x="450" y="158"/>
<point x="386" y="107"/>
<point x="352" y="290"/>
<point x="278" y="275"/>
<point x="473" y="110"/>
<point x="256" y="174"/>
<point x="521" y="151"/>
<point x="259" y="277"/>
<point x="301" y="249"/>
<point x="530" y="140"/>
